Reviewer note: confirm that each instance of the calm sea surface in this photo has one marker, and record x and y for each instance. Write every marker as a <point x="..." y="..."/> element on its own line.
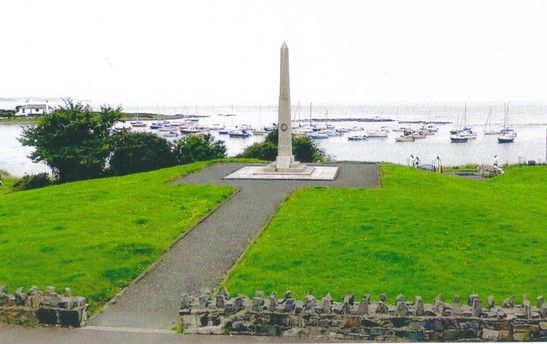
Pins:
<point x="528" y="119"/>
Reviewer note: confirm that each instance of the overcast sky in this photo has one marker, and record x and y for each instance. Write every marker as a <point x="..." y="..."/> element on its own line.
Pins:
<point x="227" y="52"/>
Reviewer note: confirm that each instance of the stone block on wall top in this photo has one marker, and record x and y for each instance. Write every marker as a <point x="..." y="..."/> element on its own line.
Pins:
<point x="476" y="307"/>
<point x="542" y="310"/>
<point x="471" y="298"/>
<point x="326" y="305"/>
<point x="50" y="290"/>
<point x="20" y="297"/>
<point x="490" y="303"/>
<point x="381" y="308"/>
<point x="273" y="302"/>
<point x="366" y="297"/>
<point x="3" y="298"/>
<point x="349" y="299"/>
<point x="419" y="305"/>
<point x="363" y="307"/>
<point x="33" y="290"/>
<point x="203" y="301"/>
<point x="383" y="298"/>
<point x="220" y="301"/>
<point x="53" y="300"/>
<point x="185" y="301"/>
<point x="309" y="301"/>
<point x="224" y="292"/>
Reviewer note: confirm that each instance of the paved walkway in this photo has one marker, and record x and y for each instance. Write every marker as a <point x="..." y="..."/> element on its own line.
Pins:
<point x="204" y="255"/>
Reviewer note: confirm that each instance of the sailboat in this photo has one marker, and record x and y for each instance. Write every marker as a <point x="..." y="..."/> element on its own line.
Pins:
<point x="465" y="133"/>
<point x="507" y="134"/>
<point x="488" y="125"/>
<point x="261" y="130"/>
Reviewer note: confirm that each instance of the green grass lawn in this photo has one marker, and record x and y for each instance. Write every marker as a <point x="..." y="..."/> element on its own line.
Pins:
<point x="7" y="182"/>
<point x="421" y="234"/>
<point x="96" y="236"/>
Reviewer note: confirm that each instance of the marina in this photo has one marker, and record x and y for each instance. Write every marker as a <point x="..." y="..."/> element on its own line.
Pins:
<point x="397" y="131"/>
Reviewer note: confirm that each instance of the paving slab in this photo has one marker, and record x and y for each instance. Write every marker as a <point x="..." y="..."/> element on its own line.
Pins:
<point x="203" y="256"/>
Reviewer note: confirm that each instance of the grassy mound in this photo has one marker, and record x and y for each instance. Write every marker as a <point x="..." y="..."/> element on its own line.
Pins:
<point x="421" y="234"/>
<point x="96" y="236"/>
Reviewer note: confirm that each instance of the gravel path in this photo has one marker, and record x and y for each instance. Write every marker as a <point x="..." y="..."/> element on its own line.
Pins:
<point x="204" y="255"/>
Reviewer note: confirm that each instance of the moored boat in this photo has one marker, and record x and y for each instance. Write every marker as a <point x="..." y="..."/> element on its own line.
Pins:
<point x="260" y="132"/>
<point x="458" y="139"/>
<point x="319" y="136"/>
<point x="378" y="133"/>
<point x="404" y="138"/>
<point x="506" y="138"/>
<point x="418" y="135"/>
<point x="357" y="137"/>
<point x="137" y="124"/>
<point x="507" y="134"/>
<point x="239" y="133"/>
<point x="191" y="130"/>
<point x="429" y="128"/>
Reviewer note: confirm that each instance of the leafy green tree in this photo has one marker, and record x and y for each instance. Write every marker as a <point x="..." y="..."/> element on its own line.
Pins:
<point x="73" y="141"/>
<point x="266" y="150"/>
<point x="199" y="147"/>
<point x="140" y="152"/>
<point x="304" y="149"/>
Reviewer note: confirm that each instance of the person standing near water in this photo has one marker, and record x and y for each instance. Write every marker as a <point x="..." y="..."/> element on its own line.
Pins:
<point x="410" y="160"/>
<point x="496" y="160"/>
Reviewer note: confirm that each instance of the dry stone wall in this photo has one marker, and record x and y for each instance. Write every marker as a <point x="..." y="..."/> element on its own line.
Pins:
<point x="36" y="307"/>
<point x="351" y="319"/>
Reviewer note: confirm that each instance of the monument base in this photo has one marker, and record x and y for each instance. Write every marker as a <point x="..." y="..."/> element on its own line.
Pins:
<point x="326" y="173"/>
<point x="287" y="165"/>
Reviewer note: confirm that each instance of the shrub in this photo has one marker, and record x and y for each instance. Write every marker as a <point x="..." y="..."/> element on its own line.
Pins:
<point x="140" y="152"/>
<point x="199" y="147"/>
<point x="261" y="150"/>
<point x="33" y="181"/>
<point x="304" y="149"/>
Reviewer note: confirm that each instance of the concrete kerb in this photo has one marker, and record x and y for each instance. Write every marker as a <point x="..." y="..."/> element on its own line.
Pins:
<point x="160" y="259"/>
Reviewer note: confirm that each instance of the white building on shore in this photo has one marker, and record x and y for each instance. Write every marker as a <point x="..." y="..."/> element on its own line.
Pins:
<point x="32" y="110"/>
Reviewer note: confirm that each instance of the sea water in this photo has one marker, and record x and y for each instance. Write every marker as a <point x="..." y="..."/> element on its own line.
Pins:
<point x="529" y="119"/>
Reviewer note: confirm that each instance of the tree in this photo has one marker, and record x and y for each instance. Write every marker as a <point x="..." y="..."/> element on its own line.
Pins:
<point x="73" y="141"/>
<point x="199" y="147"/>
<point x="303" y="147"/>
<point x="140" y="152"/>
<point x="266" y="150"/>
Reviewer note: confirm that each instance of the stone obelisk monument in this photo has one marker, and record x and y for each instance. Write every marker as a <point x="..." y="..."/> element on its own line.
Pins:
<point x="285" y="162"/>
<point x="285" y="167"/>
